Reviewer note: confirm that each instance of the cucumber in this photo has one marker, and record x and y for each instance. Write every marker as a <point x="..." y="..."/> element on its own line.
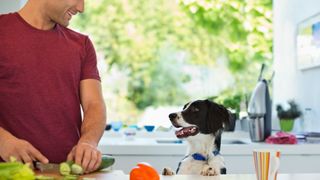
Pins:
<point x="76" y="169"/>
<point x="65" y="168"/>
<point x="106" y="161"/>
<point x="70" y="168"/>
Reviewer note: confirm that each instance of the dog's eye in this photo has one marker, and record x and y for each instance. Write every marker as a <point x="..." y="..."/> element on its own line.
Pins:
<point x="194" y="109"/>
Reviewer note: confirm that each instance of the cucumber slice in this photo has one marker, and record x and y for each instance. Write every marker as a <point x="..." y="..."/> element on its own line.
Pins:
<point x="65" y="168"/>
<point x="76" y="169"/>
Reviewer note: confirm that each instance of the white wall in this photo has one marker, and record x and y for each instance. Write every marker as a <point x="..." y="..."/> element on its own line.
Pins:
<point x="7" y="6"/>
<point x="290" y="82"/>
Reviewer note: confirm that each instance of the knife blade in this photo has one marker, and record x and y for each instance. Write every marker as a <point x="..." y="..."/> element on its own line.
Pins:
<point x="47" y="168"/>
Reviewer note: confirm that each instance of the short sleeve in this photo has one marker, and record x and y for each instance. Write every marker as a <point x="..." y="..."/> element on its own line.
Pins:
<point x="89" y="68"/>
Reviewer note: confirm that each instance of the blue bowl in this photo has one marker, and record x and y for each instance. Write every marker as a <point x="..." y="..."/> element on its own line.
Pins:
<point x="116" y="125"/>
<point x="149" y="128"/>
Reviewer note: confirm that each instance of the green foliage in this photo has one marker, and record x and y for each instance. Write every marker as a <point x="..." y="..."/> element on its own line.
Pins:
<point x="147" y="39"/>
<point x="163" y="86"/>
<point x="230" y="99"/>
<point x="292" y="112"/>
<point x="151" y="40"/>
<point x="242" y="27"/>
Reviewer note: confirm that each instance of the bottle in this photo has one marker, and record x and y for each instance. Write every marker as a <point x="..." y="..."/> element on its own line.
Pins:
<point x="307" y="120"/>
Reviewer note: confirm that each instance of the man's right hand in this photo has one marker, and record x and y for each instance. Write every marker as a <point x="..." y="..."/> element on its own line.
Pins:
<point x="22" y="150"/>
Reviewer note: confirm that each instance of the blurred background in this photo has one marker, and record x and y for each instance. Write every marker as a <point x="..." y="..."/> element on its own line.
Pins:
<point x="157" y="55"/>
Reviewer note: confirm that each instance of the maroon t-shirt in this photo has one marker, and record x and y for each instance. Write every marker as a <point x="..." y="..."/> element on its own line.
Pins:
<point x="40" y="74"/>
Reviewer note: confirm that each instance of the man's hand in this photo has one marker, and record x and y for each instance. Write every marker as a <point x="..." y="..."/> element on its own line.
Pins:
<point x="87" y="155"/>
<point x="22" y="150"/>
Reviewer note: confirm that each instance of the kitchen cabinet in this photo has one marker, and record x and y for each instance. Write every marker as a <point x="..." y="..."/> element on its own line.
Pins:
<point x="300" y="158"/>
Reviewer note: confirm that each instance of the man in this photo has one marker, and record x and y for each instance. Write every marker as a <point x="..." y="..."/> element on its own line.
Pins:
<point x="46" y="72"/>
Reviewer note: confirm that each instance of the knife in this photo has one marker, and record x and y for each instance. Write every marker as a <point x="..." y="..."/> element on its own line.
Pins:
<point x="48" y="168"/>
<point x="106" y="162"/>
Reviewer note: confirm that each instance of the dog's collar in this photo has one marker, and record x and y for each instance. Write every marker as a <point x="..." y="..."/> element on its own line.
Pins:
<point x="199" y="157"/>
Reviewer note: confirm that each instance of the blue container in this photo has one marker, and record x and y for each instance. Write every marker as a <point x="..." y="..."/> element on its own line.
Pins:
<point x="116" y="125"/>
<point x="149" y="128"/>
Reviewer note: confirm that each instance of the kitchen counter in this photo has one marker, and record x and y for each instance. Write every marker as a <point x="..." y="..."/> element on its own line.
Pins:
<point x="163" y="150"/>
<point x="119" y="175"/>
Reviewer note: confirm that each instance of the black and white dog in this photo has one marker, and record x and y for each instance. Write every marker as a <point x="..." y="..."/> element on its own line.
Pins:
<point x="201" y="123"/>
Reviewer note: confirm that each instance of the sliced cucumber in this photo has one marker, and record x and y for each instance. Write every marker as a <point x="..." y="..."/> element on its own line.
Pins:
<point x="70" y="168"/>
<point x="65" y="168"/>
<point x="76" y="169"/>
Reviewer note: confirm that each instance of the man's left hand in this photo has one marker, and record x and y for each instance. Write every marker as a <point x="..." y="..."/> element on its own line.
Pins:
<point x="86" y="155"/>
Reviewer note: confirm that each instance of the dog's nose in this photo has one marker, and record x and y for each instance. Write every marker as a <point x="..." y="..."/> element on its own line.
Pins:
<point x="172" y="116"/>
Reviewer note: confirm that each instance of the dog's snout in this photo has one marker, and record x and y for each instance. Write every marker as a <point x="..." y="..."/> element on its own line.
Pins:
<point x="172" y="116"/>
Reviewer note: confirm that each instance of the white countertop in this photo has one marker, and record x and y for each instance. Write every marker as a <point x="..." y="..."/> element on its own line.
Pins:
<point x="146" y="144"/>
<point x="119" y="175"/>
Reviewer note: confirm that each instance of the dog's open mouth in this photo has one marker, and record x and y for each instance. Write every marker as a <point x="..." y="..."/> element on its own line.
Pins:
<point x="187" y="131"/>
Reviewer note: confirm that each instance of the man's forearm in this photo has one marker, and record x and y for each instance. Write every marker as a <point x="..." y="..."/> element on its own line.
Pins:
<point x="94" y="123"/>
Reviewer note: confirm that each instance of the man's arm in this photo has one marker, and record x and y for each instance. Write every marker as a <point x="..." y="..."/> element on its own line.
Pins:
<point x="94" y="111"/>
<point x="85" y="153"/>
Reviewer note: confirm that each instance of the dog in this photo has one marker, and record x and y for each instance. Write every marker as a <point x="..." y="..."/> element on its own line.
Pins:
<point x="201" y="123"/>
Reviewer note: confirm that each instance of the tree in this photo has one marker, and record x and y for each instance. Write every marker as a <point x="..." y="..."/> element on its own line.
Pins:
<point x="141" y="37"/>
<point x="242" y="27"/>
<point x="151" y="40"/>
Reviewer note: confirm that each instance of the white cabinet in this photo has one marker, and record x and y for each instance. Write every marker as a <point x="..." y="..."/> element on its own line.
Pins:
<point x="288" y="164"/>
<point x="301" y="158"/>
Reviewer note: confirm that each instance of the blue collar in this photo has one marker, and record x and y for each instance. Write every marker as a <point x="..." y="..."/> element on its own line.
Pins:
<point x="199" y="157"/>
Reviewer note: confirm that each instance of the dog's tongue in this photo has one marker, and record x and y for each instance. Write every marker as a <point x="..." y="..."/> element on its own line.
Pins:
<point x="187" y="131"/>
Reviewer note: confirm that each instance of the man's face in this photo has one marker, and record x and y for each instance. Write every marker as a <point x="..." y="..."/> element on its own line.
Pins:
<point x="61" y="11"/>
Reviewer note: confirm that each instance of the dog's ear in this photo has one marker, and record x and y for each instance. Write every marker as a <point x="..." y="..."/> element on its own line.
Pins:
<point x="218" y="117"/>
